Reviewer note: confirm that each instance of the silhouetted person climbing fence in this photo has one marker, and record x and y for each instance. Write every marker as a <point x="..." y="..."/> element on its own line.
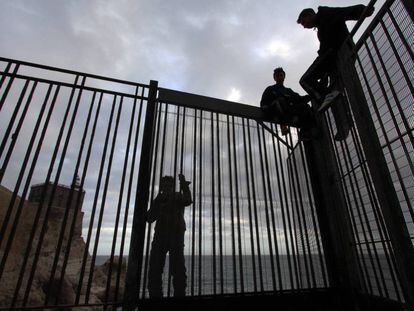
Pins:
<point x="332" y="32"/>
<point x="282" y="105"/>
<point x="321" y="80"/>
<point x="167" y="209"/>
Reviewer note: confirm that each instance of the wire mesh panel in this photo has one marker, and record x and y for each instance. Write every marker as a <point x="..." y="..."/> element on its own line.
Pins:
<point x="70" y="146"/>
<point x="384" y="62"/>
<point x="386" y="68"/>
<point x="240" y="227"/>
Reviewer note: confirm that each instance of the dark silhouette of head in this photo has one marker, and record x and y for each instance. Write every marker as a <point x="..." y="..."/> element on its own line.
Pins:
<point x="167" y="184"/>
<point x="279" y="75"/>
<point x="307" y="18"/>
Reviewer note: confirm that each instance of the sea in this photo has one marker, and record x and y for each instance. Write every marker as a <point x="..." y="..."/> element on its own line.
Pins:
<point x="234" y="274"/>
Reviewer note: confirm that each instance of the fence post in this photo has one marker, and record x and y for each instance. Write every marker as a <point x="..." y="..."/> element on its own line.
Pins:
<point x="135" y="258"/>
<point x="334" y="221"/>
<point x="384" y="187"/>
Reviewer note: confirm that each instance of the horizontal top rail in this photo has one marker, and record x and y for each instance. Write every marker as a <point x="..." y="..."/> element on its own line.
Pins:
<point x="210" y="104"/>
<point x="88" y="75"/>
<point x="71" y="85"/>
<point x="217" y="105"/>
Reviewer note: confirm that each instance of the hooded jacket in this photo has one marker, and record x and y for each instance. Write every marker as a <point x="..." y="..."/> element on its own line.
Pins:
<point x="330" y="23"/>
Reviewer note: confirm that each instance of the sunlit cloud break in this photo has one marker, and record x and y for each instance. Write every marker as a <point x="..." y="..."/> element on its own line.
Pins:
<point x="277" y="47"/>
<point x="234" y="95"/>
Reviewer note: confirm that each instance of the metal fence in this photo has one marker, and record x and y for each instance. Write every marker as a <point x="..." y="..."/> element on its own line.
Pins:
<point x="246" y="229"/>
<point x="73" y="141"/>
<point x="384" y="62"/>
<point x="75" y="151"/>
<point x="71" y="148"/>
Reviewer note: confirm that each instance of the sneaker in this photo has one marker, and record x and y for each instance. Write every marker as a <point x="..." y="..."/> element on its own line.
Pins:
<point x="328" y="101"/>
<point x="341" y="134"/>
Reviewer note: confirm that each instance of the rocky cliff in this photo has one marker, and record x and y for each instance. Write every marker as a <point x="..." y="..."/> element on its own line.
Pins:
<point x="42" y="285"/>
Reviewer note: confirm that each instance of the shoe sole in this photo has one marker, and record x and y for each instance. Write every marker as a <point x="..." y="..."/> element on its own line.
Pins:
<point x="325" y="107"/>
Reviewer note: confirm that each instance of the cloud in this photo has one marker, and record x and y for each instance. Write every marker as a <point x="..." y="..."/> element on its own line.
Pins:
<point x="224" y="49"/>
<point x="277" y="47"/>
<point x="234" y="95"/>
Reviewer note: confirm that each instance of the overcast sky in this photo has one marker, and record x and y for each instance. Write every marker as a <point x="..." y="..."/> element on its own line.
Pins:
<point x="225" y="49"/>
<point x="220" y="48"/>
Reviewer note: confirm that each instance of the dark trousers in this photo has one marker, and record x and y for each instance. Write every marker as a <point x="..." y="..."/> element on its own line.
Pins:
<point x="301" y="115"/>
<point x="315" y="80"/>
<point x="161" y="245"/>
<point x="297" y="114"/>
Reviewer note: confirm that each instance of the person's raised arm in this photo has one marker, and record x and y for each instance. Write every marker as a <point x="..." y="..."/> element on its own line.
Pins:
<point x="185" y="190"/>
<point x="353" y="13"/>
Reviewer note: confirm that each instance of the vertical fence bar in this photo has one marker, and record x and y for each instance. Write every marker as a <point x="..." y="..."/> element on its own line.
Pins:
<point x="200" y="205"/>
<point x="233" y="234"/>
<point x="194" y="205"/>
<point x="259" y="255"/>
<point x="236" y="183"/>
<point x="133" y="276"/>
<point x="251" y="232"/>
<point x="298" y="237"/>
<point x="219" y="193"/>
<point x="213" y="205"/>
<point x="268" y="227"/>
<point x="8" y="86"/>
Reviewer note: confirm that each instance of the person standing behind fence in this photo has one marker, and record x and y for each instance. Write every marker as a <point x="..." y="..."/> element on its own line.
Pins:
<point x="167" y="209"/>
<point x="332" y="32"/>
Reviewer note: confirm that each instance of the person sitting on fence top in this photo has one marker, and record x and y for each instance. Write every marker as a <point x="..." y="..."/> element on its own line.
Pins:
<point x="332" y="32"/>
<point x="282" y="105"/>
